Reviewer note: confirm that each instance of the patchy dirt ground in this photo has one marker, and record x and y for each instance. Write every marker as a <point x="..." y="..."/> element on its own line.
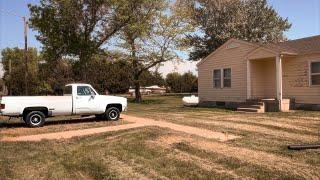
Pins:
<point x="173" y="142"/>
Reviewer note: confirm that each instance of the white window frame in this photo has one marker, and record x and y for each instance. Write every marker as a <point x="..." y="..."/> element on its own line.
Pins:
<point x="223" y="78"/>
<point x="311" y="74"/>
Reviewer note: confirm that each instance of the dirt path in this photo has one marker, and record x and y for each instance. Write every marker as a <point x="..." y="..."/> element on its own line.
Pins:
<point x="182" y="128"/>
<point x="136" y="122"/>
<point x="70" y="134"/>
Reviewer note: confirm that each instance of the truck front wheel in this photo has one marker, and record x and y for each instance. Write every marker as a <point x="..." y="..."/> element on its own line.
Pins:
<point x="35" y="119"/>
<point x="112" y="113"/>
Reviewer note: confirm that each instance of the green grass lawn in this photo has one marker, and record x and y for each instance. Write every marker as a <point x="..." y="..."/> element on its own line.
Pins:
<point x="158" y="153"/>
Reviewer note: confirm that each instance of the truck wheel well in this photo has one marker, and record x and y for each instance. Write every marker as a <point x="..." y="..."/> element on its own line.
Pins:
<point x="118" y="106"/>
<point x="44" y="110"/>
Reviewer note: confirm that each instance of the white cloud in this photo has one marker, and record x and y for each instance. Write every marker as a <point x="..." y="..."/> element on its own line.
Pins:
<point x="180" y="67"/>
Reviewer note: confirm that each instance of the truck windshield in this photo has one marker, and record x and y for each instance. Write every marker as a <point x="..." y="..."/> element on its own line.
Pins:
<point x="85" y="91"/>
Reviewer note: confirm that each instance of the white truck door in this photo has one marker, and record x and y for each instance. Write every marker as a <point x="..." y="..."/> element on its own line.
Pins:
<point x="85" y="101"/>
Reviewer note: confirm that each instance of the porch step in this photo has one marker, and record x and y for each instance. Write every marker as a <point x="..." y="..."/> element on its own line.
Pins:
<point x="252" y="107"/>
<point x="254" y="103"/>
<point x="255" y="110"/>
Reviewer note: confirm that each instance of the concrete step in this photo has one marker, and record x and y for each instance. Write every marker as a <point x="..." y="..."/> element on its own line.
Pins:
<point x="246" y="112"/>
<point x="252" y="106"/>
<point x="255" y="110"/>
<point x="254" y="103"/>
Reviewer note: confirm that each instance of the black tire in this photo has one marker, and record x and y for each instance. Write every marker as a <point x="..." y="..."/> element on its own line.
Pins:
<point x="112" y="114"/>
<point x="35" y="119"/>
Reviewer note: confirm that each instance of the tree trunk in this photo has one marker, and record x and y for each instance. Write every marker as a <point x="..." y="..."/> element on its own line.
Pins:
<point x="138" y="97"/>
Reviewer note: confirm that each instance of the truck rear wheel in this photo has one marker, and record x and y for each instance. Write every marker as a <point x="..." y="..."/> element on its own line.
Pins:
<point x="112" y="113"/>
<point x="35" y="119"/>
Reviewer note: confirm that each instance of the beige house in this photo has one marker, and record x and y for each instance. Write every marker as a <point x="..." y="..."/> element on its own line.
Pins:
<point x="271" y="75"/>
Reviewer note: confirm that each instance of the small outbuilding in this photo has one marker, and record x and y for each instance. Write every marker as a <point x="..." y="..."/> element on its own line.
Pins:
<point x="267" y="77"/>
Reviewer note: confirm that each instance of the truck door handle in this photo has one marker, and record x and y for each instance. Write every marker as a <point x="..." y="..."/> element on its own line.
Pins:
<point x="78" y="97"/>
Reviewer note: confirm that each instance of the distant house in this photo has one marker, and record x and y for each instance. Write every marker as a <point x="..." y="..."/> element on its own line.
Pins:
<point x="149" y="90"/>
<point x="156" y="89"/>
<point x="283" y="74"/>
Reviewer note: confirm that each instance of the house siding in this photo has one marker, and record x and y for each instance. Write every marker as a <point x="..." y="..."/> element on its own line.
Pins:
<point x="261" y="53"/>
<point x="296" y="79"/>
<point x="235" y="59"/>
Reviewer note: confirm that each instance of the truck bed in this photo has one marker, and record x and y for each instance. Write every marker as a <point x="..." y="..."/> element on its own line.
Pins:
<point x="14" y="105"/>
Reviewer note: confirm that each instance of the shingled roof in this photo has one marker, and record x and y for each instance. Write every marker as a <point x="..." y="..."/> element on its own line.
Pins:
<point x="298" y="46"/>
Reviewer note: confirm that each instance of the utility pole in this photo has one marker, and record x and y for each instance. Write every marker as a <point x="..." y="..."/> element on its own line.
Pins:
<point x="26" y="55"/>
<point x="10" y="76"/>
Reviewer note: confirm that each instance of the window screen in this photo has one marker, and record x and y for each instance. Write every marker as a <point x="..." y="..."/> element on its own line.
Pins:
<point x="217" y="78"/>
<point x="227" y="77"/>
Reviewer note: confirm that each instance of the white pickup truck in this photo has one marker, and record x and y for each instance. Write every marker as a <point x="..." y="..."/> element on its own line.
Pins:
<point x="77" y="99"/>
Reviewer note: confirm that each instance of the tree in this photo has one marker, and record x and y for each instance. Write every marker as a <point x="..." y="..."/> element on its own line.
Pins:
<point x="14" y="66"/>
<point x="152" y="37"/>
<point x="110" y="72"/>
<point x="184" y="83"/>
<point x="220" y="20"/>
<point x="52" y="80"/>
<point x="149" y="78"/>
<point x="173" y="81"/>
<point x="77" y="28"/>
<point x="187" y="82"/>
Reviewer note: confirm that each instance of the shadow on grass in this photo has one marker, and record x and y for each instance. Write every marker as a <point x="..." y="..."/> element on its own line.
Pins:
<point x="148" y="101"/>
<point x="54" y="122"/>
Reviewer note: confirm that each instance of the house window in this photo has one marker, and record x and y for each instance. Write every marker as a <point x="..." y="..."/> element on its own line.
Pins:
<point x="315" y="73"/>
<point x="217" y="78"/>
<point x="227" y="77"/>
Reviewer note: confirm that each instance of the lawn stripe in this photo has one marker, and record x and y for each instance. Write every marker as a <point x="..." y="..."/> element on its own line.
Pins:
<point x="270" y="161"/>
<point x="202" y="163"/>
<point x="245" y="127"/>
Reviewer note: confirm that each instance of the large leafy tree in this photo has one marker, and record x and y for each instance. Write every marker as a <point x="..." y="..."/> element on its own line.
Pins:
<point x="152" y="37"/>
<point x="220" y="20"/>
<point x="110" y="73"/>
<point x="54" y="79"/>
<point x="77" y="28"/>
